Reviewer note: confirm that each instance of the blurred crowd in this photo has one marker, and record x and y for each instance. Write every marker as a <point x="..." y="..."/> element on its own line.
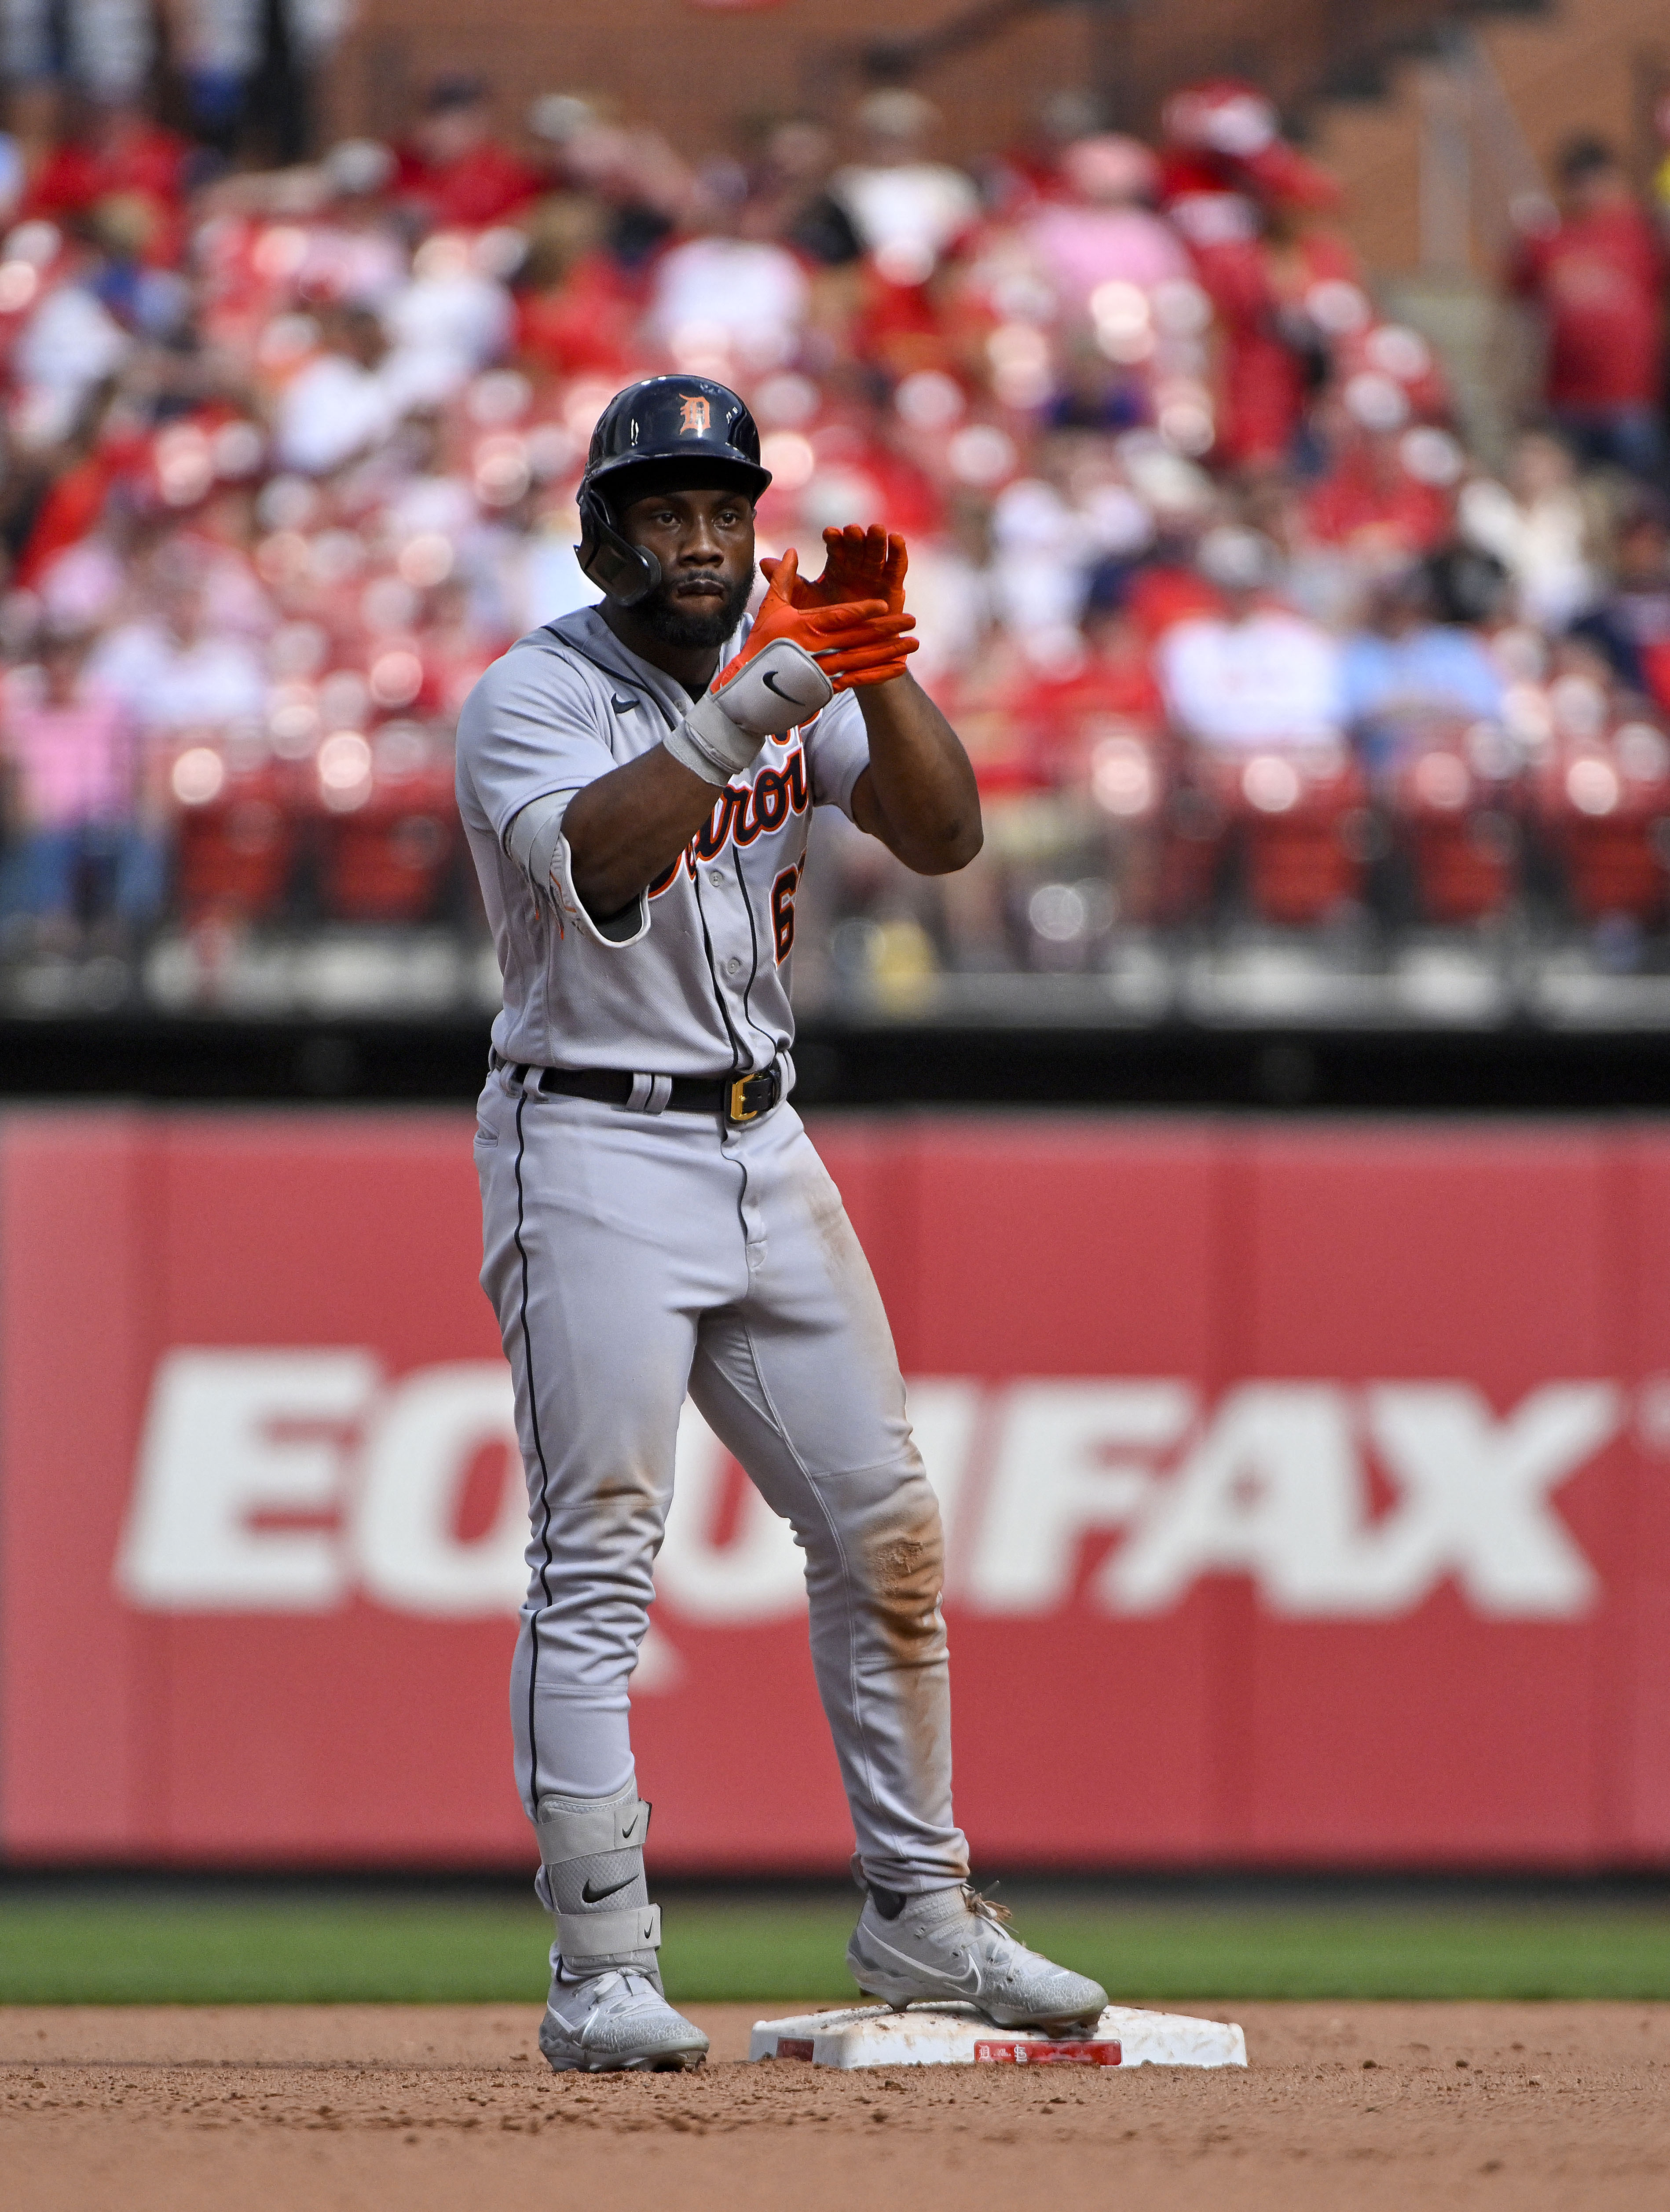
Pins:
<point x="1235" y="626"/>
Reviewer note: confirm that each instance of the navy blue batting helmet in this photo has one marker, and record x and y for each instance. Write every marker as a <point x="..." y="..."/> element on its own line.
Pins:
<point x="667" y="433"/>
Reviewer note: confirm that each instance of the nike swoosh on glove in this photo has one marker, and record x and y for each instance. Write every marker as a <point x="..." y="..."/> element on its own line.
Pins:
<point x="844" y="635"/>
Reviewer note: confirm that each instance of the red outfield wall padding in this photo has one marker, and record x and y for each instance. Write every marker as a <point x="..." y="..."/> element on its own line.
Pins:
<point x="1308" y="1498"/>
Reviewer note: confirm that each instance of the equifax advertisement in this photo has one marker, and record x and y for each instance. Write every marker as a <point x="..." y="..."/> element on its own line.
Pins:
<point x="1306" y="1495"/>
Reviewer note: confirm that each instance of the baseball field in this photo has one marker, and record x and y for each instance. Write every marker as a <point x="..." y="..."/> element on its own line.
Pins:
<point x="173" y="2047"/>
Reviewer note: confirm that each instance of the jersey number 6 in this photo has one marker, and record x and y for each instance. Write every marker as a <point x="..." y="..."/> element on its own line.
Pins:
<point x="782" y="912"/>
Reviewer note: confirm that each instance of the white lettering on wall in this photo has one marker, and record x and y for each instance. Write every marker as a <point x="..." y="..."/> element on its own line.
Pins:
<point x="291" y="1481"/>
<point x="1273" y="1489"/>
<point x="1477" y="1492"/>
<point x="230" y="1436"/>
<point x="1065" y="1468"/>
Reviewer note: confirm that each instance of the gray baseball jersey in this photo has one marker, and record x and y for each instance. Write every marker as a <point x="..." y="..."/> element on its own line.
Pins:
<point x="633" y="1254"/>
<point x="693" y="980"/>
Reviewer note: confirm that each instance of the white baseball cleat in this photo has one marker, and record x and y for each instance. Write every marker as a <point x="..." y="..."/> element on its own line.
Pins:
<point x="616" y="2023"/>
<point x="952" y="1947"/>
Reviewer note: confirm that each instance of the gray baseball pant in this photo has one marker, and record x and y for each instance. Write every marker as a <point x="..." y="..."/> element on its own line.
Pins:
<point x="632" y="1259"/>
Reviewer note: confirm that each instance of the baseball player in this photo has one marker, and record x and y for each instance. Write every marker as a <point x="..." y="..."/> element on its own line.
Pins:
<point x="637" y="781"/>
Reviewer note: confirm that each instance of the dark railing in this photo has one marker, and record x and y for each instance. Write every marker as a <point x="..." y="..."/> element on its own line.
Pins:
<point x="1295" y="50"/>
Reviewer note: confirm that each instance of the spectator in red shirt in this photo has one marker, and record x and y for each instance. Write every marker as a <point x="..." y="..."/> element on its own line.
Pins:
<point x="1597" y="272"/>
<point x="115" y="152"/>
<point x="1113" y="689"/>
<point x="1249" y="206"/>
<point x="576" y="312"/>
<point x="453" y="171"/>
<point x="1168" y="589"/>
<point x="1369" y="503"/>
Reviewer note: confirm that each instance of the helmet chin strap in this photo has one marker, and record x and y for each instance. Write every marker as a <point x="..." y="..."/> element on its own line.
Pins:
<point x="622" y="571"/>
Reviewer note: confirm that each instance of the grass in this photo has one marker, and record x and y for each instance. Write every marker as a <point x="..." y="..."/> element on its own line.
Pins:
<point x="142" y="1945"/>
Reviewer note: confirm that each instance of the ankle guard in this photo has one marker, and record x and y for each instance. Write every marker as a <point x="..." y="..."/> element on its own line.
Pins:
<point x="591" y="1874"/>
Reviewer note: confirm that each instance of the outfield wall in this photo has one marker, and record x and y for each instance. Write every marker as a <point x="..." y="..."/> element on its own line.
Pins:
<point x="1307" y="1494"/>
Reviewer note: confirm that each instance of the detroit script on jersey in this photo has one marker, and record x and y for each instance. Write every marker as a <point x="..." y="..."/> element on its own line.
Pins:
<point x="741" y="813"/>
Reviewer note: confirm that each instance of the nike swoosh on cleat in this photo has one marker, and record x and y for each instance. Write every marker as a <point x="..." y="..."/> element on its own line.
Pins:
<point x="969" y="1981"/>
<point x="590" y="1896"/>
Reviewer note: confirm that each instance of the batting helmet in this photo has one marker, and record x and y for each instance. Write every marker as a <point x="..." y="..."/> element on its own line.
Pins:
<point x="677" y="433"/>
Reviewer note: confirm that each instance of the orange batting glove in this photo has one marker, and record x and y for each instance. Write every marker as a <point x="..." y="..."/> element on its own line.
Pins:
<point x="855" y="641"/>
<point x="794" y="660"/>
<point x="857" y="564"/>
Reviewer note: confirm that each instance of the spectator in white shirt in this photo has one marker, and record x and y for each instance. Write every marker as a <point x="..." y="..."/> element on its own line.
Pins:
<point x="906" y="210"/>
<point x="172" y="672"/>
<point x="451" y="319"/>
<point x="67" y="347"/>
<point x="1535" y="525"/>
<point x="744" y="296"/>
<point x="342" y="404"/>
<point x="1255" y="675"/>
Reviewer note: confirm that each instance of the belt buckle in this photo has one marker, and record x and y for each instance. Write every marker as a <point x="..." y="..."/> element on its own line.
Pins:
<point x="751" y="1097"/>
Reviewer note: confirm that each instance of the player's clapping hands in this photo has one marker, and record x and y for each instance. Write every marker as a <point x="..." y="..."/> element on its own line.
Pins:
<point x="861" y="569"/>
<point x="857" y="564"/>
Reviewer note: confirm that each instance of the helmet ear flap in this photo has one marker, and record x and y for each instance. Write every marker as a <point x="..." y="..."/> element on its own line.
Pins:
<point x="622" y="571"/>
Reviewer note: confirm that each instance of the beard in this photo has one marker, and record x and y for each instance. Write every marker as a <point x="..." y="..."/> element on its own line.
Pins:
<point x="702" y="627"/>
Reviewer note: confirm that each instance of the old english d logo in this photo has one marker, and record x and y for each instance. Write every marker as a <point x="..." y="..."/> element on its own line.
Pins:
<point x="698" y="417"/>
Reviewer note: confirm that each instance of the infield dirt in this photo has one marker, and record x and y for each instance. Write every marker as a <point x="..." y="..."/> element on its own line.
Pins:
<point x="1343" y="2108"/>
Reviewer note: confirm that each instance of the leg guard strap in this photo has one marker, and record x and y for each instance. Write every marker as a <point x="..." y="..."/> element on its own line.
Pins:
<point x="602" y="1939"/>
<point x="584" y="1827"/>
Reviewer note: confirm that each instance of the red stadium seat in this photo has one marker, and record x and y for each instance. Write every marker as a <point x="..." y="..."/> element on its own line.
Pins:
<point x="1129" y="767"/>
<point x="236" y="833"/>
<point x="1454" y="824"/>
<point x="389" y="824"/>
<point x="1606" y="809"/>
<point x="1300" y="815"/>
